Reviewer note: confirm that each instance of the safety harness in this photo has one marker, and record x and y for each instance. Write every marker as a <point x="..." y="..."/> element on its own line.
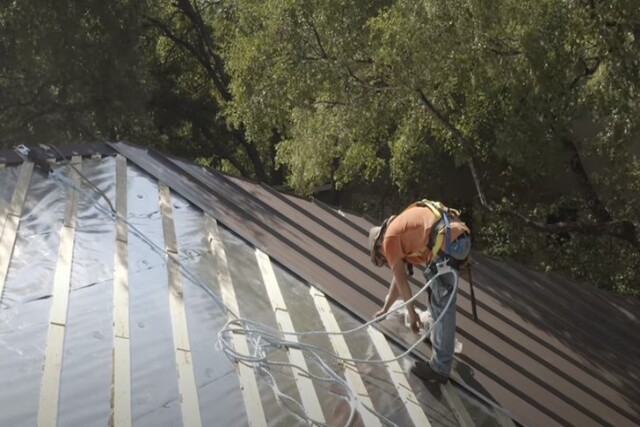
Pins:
<point x="442" y="235"/>
<point x="439" y="235"/>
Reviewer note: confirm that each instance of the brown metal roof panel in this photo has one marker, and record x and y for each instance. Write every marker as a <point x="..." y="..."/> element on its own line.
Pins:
<point x="321" y="225"/>
<point x="304" y="207"/>
<point x="279" y="243"/>
<point x="563" y="314"/>
<point x="525" y="381"/>
<point x="325" y="248"/>
<point x="583" y="302"/>
<point x="550" y="351"/>
<point x="506" y="353"/>
<point x="587" y="378"/>
<point x="588" y="357"/>
<point x="552" y="320"/>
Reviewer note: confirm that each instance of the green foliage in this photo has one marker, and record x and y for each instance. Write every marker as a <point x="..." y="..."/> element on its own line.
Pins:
<point x="386" y="101"/>
<point x="70" y="71"/>
<point x="543" y="95"/>
<point x="604" y="261"/>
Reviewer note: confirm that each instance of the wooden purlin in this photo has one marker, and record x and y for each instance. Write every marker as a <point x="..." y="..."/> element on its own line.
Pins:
<point x="351" y="372"/>
<point x="399" y="379"/>
<point x="305" y="386"/>
<point x="52" y="368"/>
<point x="10" y="157"/>
<point x="121" y="387"/>
<point x="11" y="221"/>
<point x="456" y="405"/>
<point x="248" y="383"/>
<point x="189" y="404"/>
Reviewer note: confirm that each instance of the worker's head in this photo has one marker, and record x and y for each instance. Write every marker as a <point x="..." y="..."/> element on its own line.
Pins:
<point x="376" y="236"/>
<point x="375" y="246"/>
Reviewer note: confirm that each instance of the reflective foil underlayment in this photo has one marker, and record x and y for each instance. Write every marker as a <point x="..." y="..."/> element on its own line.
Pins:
<point x="154" y="383"/>
<point x="254" y="304"/>
<point x="87" y="363"/>
<point x="85" y="385"/>
<point x="379" y="384"/>
<point x="219" y="393"/>
<point x="8" y="179"/>
<point x="26" y="301"/>
<point x="305" y="317"/>
<point x="380" y="387"/>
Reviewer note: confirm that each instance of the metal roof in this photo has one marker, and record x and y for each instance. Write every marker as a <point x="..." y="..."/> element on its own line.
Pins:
<point x="543" y="351"/>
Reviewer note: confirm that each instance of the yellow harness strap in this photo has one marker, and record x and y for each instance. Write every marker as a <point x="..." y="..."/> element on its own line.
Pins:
<point x="441" y="234"/>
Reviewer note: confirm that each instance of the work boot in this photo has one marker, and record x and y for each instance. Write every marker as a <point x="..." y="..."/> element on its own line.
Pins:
<point x="425" y="372"/>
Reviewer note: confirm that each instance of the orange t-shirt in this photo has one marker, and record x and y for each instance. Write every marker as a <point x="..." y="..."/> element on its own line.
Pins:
<point x="409" y="232"/>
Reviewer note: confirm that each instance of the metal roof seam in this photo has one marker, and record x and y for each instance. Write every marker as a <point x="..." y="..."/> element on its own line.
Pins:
<point x="289" y="221"/>
<point x="338" y="274"/>
<point x="362" y="247"/>
<point x="333" y="211"/>
<point x="545" y="344"/>
<point x="248" y="217"/>
<point x="523" y="376"/>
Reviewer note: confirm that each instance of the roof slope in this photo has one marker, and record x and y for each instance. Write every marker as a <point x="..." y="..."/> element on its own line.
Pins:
<point x="549" y="351"/>
<point x="115" y="321"/>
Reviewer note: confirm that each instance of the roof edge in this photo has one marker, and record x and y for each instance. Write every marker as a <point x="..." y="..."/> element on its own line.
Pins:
<point x="9" y="157"/>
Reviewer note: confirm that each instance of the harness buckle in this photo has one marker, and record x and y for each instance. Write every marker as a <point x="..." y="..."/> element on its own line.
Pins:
<point x="443" y="266"/>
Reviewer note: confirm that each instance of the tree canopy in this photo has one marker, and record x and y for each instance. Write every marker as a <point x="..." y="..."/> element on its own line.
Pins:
<point x="526" y="113"/>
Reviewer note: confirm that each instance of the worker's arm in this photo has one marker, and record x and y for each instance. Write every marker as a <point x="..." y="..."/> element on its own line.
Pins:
<point x="400" y="286"/>
<point x="402" y="283"/>
<point x="392" y="296"/>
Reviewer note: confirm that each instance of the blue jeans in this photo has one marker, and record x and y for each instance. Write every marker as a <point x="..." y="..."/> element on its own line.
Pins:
<point x="443" y="334"/>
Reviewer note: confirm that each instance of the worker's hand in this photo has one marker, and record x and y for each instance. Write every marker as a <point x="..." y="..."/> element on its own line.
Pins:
<point x="414" y="320"/>
<point x="380" y="312"/>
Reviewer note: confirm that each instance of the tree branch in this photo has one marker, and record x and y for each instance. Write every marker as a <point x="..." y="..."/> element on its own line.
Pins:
<point x="586" y="187"/>
<point x="323" y="55"/>
<point x="223" y="149"/>
<point x="606" y="225"/>
<point x="587" y="71"/>
<point x="509" y="52"/>
<point x="466" y="145"/>
<point x="330" y="103"/>
<point x="199" y="55"/>
<point x="319" y="47"/>
<point x="207" y="44"/>
<point x="622" y="229"/>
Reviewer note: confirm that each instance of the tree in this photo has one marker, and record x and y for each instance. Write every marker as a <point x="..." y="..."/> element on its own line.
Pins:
<point x="70" y="71"/>
<point x="502" y="87"/>
<point x="192" y="93"/>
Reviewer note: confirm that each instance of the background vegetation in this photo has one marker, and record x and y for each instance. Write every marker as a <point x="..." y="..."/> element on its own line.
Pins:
<point x="526" y="114"/>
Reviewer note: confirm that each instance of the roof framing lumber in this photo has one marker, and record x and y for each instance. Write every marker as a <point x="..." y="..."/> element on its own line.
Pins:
<point x="51" y="372"/>
<point x="248" y="383"/>
<point x="189" y="404"/>
<point x="305" y="386"/>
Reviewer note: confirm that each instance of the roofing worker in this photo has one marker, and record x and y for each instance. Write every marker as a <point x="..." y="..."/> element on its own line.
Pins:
<point x="428" y="233"/>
